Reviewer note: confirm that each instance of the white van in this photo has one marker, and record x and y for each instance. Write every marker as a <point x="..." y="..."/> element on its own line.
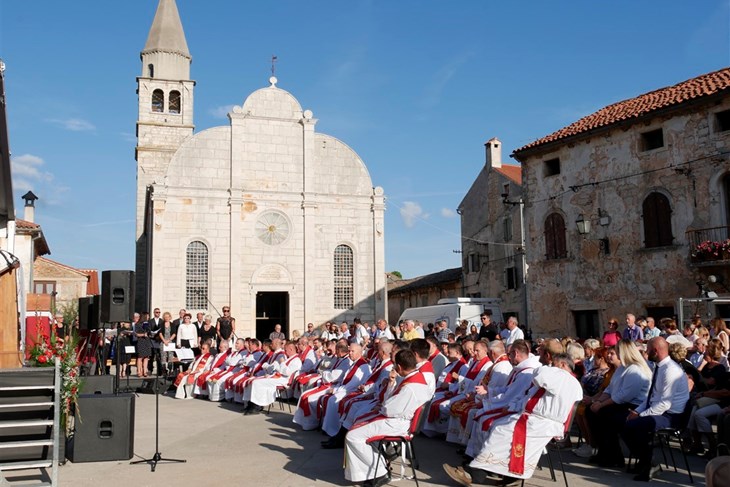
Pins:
<point x="454" y="310"/>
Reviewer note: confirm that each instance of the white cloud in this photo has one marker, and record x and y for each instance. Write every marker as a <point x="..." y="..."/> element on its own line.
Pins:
<point x="441" y="78"/>
<point x="410" y="211"/>
<point x="27" y="171"/>
<point x="221" y="111"/>
<point x="448" y="213"/>
<point x="73" y="124"/>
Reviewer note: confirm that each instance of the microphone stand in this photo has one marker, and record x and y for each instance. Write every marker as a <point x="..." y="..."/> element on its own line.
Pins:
<point x="157" y="457"/>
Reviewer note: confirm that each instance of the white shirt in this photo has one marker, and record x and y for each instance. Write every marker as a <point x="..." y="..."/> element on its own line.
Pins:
<point x="670" y="392"/>
<point x="187" y="332"/>
<point x="387" y="334"/>
<point x="513" y="335"/>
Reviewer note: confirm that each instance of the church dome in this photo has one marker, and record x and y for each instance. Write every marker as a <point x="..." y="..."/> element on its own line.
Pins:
<point x="272" y="102"/>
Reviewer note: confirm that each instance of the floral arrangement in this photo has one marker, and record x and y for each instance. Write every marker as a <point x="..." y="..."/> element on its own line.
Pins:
<point x="712" y="250"/>
<point x="42" y="354"/>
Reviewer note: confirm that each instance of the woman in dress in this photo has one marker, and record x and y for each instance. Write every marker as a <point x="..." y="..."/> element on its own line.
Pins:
<point x="144" y="348"/>
<point x="226" y="326"/>
<point x="719" y="331"/>
<point x="612" y="336"/>
<point x="124" y="341"/>
<point x="165" y="336"/>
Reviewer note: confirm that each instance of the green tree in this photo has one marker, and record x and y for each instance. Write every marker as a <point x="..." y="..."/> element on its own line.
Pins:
<point x="397" y="274"/>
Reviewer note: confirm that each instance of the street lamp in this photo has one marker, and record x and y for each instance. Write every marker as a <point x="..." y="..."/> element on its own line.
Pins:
<point x="584" y="226"/>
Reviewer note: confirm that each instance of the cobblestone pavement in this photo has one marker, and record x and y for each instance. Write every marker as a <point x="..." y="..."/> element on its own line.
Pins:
<point x="223" y="447"/>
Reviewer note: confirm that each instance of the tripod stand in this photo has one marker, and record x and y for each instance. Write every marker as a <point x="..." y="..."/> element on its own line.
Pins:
<point x="157" y="457"/>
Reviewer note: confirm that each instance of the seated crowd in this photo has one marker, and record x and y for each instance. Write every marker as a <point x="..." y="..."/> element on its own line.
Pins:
<point x="499" y="398"/>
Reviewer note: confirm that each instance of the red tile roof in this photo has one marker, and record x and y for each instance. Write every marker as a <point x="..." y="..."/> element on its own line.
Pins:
<point x="705" y="85"/>
<point x="25" y="224"/>
<point x="92" y="288"/>
<point x="511" y="172"/>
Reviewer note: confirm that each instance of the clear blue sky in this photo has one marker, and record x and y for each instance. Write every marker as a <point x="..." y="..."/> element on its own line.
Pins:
<point x="415" y="87"/>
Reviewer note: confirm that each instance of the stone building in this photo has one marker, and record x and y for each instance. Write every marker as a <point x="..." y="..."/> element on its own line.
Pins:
<point x="263" y="214"/>
<point x="616" y="202"/>
<point x="422" y="291"/>
<point x="65" y="284"/>
<point x="491" y="234"/>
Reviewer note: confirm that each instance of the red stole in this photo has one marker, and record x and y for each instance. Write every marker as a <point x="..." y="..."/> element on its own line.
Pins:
<point x="433" y="411"/>
<point x="415" y="377"/>
<point x="426" y="367"/>
<point x="475" y="368"/>
<point x="194" y="368"/>
<point x="433" y="356"/>
<point x="303" y="355"/>
<point x="517" y="453"/>
<point x="455" y="367"/>
<point x="376" y="373"/>
<point x="353" y="370"/>
<point x="220" y="360"/>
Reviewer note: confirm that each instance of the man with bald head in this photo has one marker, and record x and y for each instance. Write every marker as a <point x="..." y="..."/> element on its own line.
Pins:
<point x="663" y="407"/>
<point x="549" y="349"/>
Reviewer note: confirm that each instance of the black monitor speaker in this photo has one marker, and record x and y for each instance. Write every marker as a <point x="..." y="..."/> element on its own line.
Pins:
<point x="106" y="430"/>
<point x="117" y="296"/>
<point x="89" y="310"/>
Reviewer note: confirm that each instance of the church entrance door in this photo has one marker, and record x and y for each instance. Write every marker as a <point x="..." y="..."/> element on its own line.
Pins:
<point x="271" y="308"/>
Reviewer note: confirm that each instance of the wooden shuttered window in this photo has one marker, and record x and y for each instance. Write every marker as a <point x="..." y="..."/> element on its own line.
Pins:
<point x="555" y="245"/>
<point x="657" y="214"/>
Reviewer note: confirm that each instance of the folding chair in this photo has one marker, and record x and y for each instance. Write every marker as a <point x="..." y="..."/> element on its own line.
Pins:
<point x="278" y="394"/>
<point x="554" y="443"/>
<point x="665" y="435"/>
<point x="406" y="442"/>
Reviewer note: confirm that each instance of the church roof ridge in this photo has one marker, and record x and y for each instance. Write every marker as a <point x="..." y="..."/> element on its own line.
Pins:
<point x="166" y="33"/>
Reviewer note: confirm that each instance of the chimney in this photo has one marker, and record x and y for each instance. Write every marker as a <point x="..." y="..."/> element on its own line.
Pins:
<point x="494" y="152"/>
<point x="30" y="199"/>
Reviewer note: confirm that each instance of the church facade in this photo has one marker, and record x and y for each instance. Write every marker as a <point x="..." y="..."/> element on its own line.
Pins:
<point x="264" y="214"/>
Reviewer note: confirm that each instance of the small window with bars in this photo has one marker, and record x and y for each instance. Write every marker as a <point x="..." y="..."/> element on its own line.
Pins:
<point x="196" y="276"/>
<point x="344" y="277"/>
<point x="158" y="101"/>
<point x="174" y="102"/>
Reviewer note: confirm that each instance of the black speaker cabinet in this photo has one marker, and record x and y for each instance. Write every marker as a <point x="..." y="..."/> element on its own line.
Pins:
<point x="97" y="384"/>
<point x="84" y="312"/>
<point x="117" y="296"/>
<point x="106" y="430"/>
<point x="89" y="312"/>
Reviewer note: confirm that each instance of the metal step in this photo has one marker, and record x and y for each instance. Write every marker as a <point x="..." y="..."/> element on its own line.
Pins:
<point x="26" y="464"/>
<point x="27" y="405"/>
<point x="25" y="444"/>
<point x="26" y="388"/>
<point x="19" y="423"/>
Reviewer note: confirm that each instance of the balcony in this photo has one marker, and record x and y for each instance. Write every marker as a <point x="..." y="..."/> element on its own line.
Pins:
<point x="709" y="246"/>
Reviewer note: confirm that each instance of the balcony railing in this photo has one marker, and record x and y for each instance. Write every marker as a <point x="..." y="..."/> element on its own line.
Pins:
<point x="709" y="244"/>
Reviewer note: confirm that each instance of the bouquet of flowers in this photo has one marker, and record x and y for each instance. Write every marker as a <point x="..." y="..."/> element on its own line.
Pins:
<point x="712" y="250"/>
<point x="42" y="354"/>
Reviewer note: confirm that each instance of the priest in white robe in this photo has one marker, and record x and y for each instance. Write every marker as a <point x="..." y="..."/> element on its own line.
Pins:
<point x="392" y="418"/>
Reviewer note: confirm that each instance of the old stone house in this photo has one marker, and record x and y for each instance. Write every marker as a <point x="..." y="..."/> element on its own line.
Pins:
<point x="263" y="214"/>
<point x="616" y="203"/>
<point x="423" y="290"/>
<point x="491" y="234"/>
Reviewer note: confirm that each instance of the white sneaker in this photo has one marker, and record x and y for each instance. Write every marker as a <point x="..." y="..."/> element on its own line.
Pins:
<point x="585" y="451"/>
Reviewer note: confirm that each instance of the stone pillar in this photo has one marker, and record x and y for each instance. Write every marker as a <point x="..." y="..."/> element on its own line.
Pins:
<point x="380" y="291"/>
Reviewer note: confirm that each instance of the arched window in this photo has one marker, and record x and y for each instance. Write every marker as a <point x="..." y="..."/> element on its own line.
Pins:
<point x="158" y="101"/>
<point x="174" y="102"/>
<point x="196" y="276"/>
<point x="151" y="70"/>
<point x="344" y="297"/>
<point x="555" y="247"/>
<point x="657" y="214"/>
